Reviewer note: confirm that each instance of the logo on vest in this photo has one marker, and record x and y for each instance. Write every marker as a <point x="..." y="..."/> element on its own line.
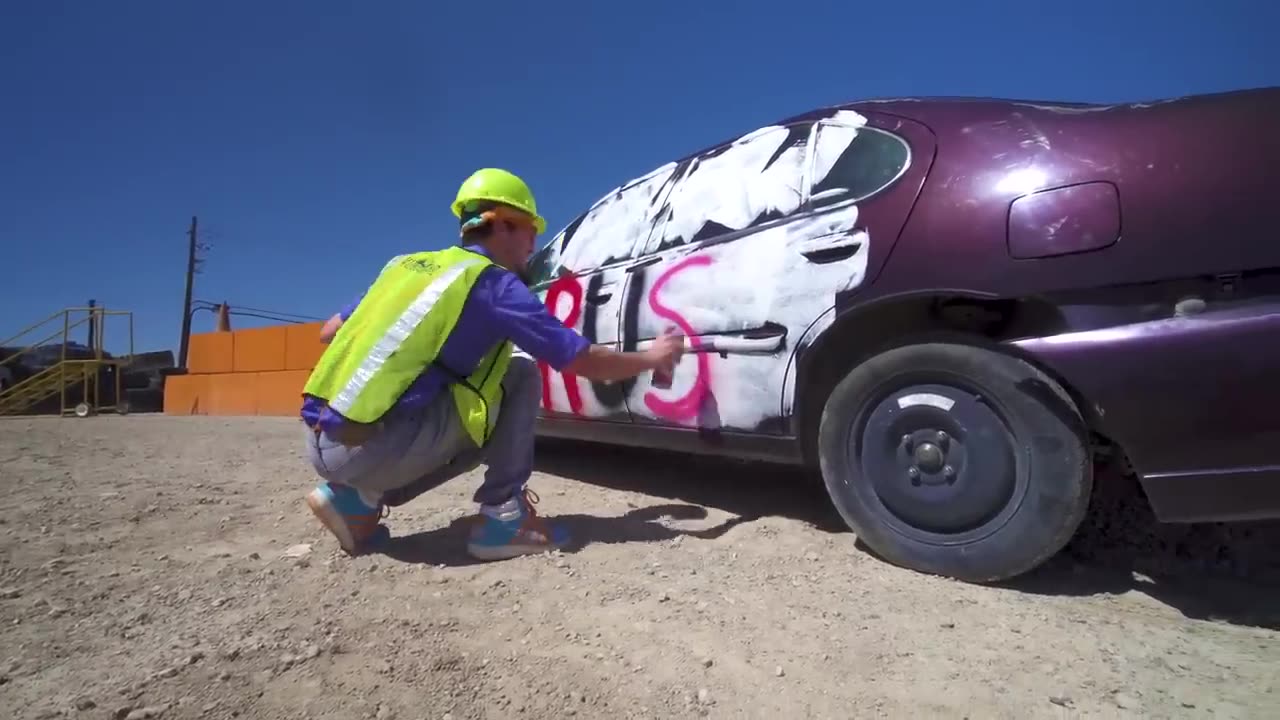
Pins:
<point x="419" y="264"/>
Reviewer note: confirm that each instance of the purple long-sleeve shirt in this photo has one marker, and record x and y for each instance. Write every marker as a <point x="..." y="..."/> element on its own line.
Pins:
<point x="499" y="307"/>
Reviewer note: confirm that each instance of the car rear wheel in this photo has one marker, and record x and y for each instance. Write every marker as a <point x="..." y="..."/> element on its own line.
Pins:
<point x="956" y="460"/>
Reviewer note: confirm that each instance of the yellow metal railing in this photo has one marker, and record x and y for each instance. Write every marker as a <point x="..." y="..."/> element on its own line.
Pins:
<point x="58" y="377"/>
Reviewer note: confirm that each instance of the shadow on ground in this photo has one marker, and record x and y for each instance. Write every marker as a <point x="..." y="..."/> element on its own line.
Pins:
<point x="748" y="490"/>
<point x="1209" y="571"/>
<point x="1221" y="599"/>
<point x="446" y="546"/>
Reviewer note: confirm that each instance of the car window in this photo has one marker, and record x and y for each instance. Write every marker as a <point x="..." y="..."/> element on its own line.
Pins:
<point x="854" y="163"/>
<point x="610" y="232"/>
<point x="541" y="265"/>
<point x="753" y="180"/>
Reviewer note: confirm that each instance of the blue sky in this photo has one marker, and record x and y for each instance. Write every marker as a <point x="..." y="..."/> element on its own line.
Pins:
<point x="316" y="139"/>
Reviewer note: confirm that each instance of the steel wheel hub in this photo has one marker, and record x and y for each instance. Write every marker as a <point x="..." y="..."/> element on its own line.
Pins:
<point x="939" y="459"/>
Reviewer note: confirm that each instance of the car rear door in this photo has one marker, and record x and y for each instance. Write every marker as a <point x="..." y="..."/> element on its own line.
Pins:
<point x="713" y="270"/>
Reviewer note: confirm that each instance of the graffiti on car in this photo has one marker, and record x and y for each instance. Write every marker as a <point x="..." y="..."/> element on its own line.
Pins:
<point x="733" y="248"/>
<point x="612" y="396"/>
<point x="686" y="407"/>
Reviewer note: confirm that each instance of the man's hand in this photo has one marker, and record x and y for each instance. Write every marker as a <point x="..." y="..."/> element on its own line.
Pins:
<point x="330" y="328"/>
<point x="666" y="351"/>
<point x="600" y="363"/>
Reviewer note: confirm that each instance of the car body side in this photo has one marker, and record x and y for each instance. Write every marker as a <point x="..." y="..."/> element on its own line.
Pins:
<point x="1128" y="251"/>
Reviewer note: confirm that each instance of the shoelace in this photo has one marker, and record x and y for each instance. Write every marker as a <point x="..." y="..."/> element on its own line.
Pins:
<point x="530" y="499"/>
<point x="534" y="522"/>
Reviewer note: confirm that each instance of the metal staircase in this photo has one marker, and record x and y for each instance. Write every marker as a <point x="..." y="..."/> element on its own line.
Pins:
<point x="54" y="366"/>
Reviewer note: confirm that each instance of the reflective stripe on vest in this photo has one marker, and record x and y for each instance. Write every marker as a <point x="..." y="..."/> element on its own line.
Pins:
<point x="397" y="330"/>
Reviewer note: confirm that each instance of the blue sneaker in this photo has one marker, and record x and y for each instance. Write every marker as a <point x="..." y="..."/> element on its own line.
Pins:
<point x="512" y="529"/>
<point x="354" y="523"/>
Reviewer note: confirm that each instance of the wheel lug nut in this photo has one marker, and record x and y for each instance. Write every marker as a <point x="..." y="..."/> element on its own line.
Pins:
<point x="908" y="442"/>
<point x="914" y="473"/>
<point x="943" y="438"/>
<point x="949" y="473"/>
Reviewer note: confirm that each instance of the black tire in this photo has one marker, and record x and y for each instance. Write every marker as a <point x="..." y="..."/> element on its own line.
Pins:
<point x="1014" y="478"/>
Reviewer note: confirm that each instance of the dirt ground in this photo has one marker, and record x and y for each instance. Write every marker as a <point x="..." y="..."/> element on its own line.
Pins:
<point x="160" y="567"/>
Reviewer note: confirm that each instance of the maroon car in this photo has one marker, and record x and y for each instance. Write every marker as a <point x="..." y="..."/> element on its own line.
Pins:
<point x="951" y="306"/>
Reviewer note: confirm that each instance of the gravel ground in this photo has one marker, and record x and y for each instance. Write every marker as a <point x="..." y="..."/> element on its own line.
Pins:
<point x="158" y="567"/>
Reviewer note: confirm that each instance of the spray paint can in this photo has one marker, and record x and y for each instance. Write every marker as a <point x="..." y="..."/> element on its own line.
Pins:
<point x="661" y="379"/>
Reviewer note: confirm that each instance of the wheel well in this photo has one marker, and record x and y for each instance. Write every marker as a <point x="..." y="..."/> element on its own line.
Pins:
<point x="887" y="324"/>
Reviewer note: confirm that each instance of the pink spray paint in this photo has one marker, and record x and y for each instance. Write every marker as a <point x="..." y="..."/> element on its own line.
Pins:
<point x="566" y="284"/>
<point x="687" y="407"/>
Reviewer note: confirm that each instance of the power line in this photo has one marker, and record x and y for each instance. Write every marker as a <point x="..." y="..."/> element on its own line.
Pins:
<point x="275" y="312"/>
<point x="246" y="310"/>
<point x="267" y="317"/>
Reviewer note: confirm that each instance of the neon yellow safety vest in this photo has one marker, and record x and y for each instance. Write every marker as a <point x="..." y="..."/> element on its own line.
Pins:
<point x="397" y="330"/>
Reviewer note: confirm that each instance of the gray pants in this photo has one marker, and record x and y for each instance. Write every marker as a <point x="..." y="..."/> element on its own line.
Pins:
<point x="417" y="450"/>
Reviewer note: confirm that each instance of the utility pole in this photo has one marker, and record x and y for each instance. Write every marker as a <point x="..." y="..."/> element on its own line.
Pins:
<point x="186" y="302"/>
<point x="93" y="325"/>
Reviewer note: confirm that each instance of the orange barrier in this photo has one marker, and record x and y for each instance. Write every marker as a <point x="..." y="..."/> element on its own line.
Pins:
<point x="276" y="393"/>
<point x="256" y="371"/>
<point x="185" y="395"/>
<point x="302" y="348"/>
<point x="211" y="353"/>
<point x="232" y="394"/>
<point x="259" y="349"/>
<point x="280" y="393"/>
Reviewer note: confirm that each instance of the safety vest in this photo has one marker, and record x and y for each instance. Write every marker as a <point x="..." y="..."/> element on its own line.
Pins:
<point x="397" y="330"/>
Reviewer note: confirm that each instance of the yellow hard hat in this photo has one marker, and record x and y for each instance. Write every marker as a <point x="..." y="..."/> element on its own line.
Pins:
<point x="496" y="185"/>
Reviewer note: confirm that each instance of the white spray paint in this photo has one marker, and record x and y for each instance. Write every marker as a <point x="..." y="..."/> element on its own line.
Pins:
<point x="757" y="279"/>
<point x="734" y="188"/>
<point x="819" y="326"/>
<point x="614" y="227"/>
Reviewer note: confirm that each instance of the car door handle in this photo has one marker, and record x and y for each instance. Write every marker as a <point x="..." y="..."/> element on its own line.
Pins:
<point x="764" y="340"/>
<point x="832" y="253"/>
<point x="725" y="345"/>
<point x="760" y="345"/>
